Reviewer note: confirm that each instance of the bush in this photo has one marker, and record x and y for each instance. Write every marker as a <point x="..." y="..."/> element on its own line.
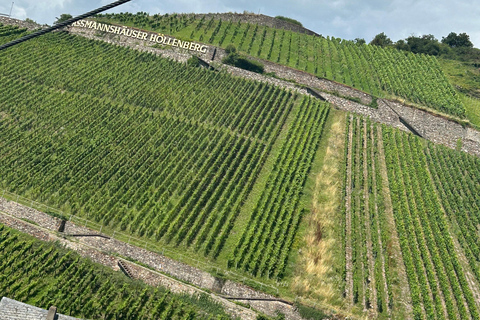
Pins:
<point x="237" y="60"/>
<point x="250" y="65"/>
<point x="63" y="17"/>
<point x="310" y="313"/>
<point x="298" y="23"/>
<point x="194" y="61"/>
<point x="230" y="49"/>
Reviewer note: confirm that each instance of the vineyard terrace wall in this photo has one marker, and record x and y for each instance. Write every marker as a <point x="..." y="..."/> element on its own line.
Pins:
<point x="134" y="33"/>
<point x="432" y="127"/>
<point x="148" y="276"/>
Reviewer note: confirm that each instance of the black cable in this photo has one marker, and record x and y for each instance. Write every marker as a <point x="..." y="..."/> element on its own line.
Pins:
<point x="63" y="24"/>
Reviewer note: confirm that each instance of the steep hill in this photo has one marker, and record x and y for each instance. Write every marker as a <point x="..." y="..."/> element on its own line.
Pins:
<point x="326" y="207"/>
<point x="375" y="70"/>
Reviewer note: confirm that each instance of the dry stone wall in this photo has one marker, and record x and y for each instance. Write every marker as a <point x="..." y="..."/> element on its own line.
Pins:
<point x="432" y="127"/>
<point x="148" y="276"/>
<point x="177" y="54"/>
<point x="15" y="310"/>
<point x="26" y="213"/>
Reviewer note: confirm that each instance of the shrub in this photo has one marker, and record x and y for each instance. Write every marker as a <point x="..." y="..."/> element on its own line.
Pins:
<point x="298" y="23"/>
<point x="230" y="49"/>
<point x="310" y="313"/>
<point x="194" y="61"/>
<point x="237" y="60"/>
<point x="251" y="65"/>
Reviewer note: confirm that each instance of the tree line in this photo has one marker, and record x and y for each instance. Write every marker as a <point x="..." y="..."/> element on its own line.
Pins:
<point x="453" y="46"/>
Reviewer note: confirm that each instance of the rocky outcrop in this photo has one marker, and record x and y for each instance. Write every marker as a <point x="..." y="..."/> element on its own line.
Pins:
<point x="21" y="23"/>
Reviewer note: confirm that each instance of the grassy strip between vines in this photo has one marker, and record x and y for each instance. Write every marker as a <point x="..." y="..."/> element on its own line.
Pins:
<point x="317" y="275"/>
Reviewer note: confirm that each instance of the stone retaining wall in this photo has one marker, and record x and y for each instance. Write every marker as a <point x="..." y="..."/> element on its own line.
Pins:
<point x="431" y="127"/>
<point x="23" y="212"/>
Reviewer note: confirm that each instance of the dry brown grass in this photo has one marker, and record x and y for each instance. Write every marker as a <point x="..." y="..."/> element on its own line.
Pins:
<point x="314" y="278"/>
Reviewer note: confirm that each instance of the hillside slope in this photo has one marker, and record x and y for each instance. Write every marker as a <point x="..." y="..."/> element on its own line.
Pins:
<point x="238" y="174"/>
<point x="375" y="70"/>
<point x="171" y="165"/>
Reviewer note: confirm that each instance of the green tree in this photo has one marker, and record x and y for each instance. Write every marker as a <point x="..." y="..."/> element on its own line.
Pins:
<point x="427" y="44"/>
<point x="230" y="49"/>
<point x="63" y="17"/>
<point x="381" y="40"/>
<point x="359" y="41"/>
<point x="194" y="61"/>
<point x="457" y="41"/>
<point x="402" y="45"/>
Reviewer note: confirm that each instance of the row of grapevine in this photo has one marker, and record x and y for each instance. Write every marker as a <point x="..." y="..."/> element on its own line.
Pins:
<point x="134" y="141"/>
<point x="457" y="178"/>
<point x="265" y="244"/>
<point x="43" y="274"/>
<point x="437" y="280"/>
<point x="373" y="69"/>
<point x="365" y="220"/>
<point x="9" y="33"/>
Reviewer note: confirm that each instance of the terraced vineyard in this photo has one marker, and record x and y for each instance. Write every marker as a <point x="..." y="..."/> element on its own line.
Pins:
<point x="263" y="247"/>
<point x="375" y="70"/>
<point x="119" y="142"/>
<point x="436" y="276"/>
<point x="217" y="168"/>
<point x="43" y="274"/>
<point x="368" y="279"/>
<point x="426" y="186"/>
<point x="457" y="178"/>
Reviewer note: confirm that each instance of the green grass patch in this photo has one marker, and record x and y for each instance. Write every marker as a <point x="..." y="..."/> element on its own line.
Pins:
<point x="472" y="108"/>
